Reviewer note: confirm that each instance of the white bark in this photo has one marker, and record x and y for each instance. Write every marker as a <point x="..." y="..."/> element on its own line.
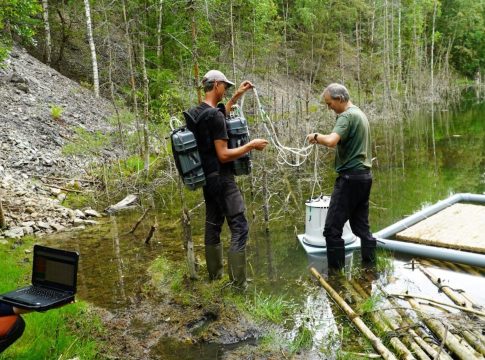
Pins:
<point x="48" y="46"/>
<point x="92" y="47"/>
<point x="159" y="31"/>
<point x="146" y="94"/>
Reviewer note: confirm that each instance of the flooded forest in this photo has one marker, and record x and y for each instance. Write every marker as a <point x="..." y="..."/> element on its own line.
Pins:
<point x="96" y="159"/>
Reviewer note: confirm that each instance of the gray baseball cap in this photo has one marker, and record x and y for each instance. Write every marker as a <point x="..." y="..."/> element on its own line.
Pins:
<point x="216" y="75"/>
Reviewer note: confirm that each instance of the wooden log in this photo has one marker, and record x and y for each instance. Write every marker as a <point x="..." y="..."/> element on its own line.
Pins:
<point x="393" y="324"/>
<point x="356" y="320"/>
<point x="151" y="232"/>
<point x="418" y="335"/>
<point x="123" y="204"/>
<point x="138" y="222"/>
<point x="66" y="189"/>
<point x="377" y="319"/>
<point x="465" y="309"/>
<point x="474" y="338"/>
<point x="451" y="341"/>
<point x="453" y="295"/>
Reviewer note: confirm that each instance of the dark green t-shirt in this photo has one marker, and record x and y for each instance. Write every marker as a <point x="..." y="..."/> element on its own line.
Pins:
<point x="354" y="148"/>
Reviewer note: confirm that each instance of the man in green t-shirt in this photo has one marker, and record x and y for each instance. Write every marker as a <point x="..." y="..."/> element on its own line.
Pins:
<point x="350" y="198"/>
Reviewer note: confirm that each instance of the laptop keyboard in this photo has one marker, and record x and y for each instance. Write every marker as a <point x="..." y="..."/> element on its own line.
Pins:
<point x="45" y="293"/>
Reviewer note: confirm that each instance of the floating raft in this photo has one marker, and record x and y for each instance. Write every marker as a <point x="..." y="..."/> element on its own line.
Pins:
<point x="460" y="227"/>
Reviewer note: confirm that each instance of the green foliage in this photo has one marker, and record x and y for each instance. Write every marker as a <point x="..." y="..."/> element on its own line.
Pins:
<point x="17" y="18"/>
<point x="70" y="331"/>
<point x="371" y="303"/>
<point x="86" y="143"/>
<point x="56" y="112"/>
<point x="269" y="307"/>
<point x="384" y="260"/>
<point x="302" y="340"/>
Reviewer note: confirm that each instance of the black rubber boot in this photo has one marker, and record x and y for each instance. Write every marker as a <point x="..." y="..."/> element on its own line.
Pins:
<point x="368" y="251"/>
<point x="237" y="268"/>
<point x="213" y="259"/>
<point x="336" y="257"/>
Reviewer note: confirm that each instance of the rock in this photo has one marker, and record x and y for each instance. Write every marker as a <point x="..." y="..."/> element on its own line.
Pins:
<point x="92" y="213"/>
<point x="28" y="230"/>
<point x="3" y="242"/>
<point x="78" y="221"/>
<point x="14" y="233"/>
<point x="43" y="225"/>
<point x="61" y="197"/>
<point x="57" y="227"/>
<point x="79" y="214"/>
<point x="55" y="191"/>
<point x="90" y="222"/>
<point x="27" y="223"/>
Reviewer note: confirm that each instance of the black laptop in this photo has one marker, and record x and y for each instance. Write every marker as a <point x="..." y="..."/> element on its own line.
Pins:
<point x="54" y="279"/>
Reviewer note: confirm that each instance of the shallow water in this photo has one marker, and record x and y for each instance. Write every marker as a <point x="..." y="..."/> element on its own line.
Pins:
<point x="407" y="177"/>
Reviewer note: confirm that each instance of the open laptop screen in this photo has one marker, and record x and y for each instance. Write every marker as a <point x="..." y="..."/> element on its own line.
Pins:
<point x="55" y="268"/>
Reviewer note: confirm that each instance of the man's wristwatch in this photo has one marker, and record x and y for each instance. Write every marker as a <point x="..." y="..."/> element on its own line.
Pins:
<point x="315" y="137"/>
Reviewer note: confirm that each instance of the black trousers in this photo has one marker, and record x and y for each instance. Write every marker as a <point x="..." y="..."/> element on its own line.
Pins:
<point x="13" y="333"/>
<point x="223" y="200"/>
<point x="350" y="201"/>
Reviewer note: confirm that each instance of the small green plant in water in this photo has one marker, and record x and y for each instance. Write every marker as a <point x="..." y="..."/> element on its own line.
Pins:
<point x="269" y="307"/>
<point x="384" y="260"/>
<point x="56" y="112"/>
<point x="370" y="304"/>
<point x="303" y="339"/>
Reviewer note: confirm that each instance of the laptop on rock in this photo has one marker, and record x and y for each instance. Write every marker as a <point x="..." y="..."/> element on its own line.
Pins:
<point x="54" y="280"/>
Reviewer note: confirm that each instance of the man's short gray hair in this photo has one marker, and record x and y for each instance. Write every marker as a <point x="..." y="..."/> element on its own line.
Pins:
<point x="337" y="92"/>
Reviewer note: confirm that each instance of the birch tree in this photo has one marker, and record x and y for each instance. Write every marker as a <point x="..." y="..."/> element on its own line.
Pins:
<point x="92" y="47"/>
<point x="48" y="46"/>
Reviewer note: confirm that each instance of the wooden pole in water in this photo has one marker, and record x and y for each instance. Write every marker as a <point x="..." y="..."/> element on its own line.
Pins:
<point x="356" y="320"/>
<point x="475" y="339"/>
<point x="394" y="325"/>
<point x="379" y="321"/>
<point x="138" y="222"/>
<point x="457" y="298"/>
<point x="450" y="340"/>
<point x="433" y="301"/>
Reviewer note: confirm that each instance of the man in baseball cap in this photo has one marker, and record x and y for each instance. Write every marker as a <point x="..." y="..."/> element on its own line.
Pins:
<point x="216" y="75"/>
<point x="223" y="199"/>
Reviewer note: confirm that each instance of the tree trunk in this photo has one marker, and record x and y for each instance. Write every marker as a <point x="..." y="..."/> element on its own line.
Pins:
<point x="357" y="40"/>
<point x="92" y="47"/>
<point x="187" y="234"/>
<point x="3" y="222"/>
<point x="146" y="95"/>
<point x="48" y="46"/>
<point x="129" y="46"/>
<point x="110" y="79"/>
<point x="159" y="33"/>
<point x="195" y="55"/>
<point x="432" y="87"/>
<point x="233" y="44"/>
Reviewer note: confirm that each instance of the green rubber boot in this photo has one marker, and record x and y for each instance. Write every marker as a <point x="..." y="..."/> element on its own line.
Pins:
<point x="213" y="259"/>
<point x="237" y="268"/>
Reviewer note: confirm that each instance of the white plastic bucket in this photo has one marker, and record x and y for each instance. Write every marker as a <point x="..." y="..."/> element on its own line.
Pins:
<point x="316" y="213"/>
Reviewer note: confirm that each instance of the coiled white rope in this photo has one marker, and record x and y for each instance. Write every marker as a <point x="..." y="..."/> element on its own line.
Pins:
<point x="284" y="152"/>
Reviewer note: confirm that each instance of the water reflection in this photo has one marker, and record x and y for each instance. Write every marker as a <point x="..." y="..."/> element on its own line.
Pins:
<point x="112" y="265"/>
<point x="320" y="263"/>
